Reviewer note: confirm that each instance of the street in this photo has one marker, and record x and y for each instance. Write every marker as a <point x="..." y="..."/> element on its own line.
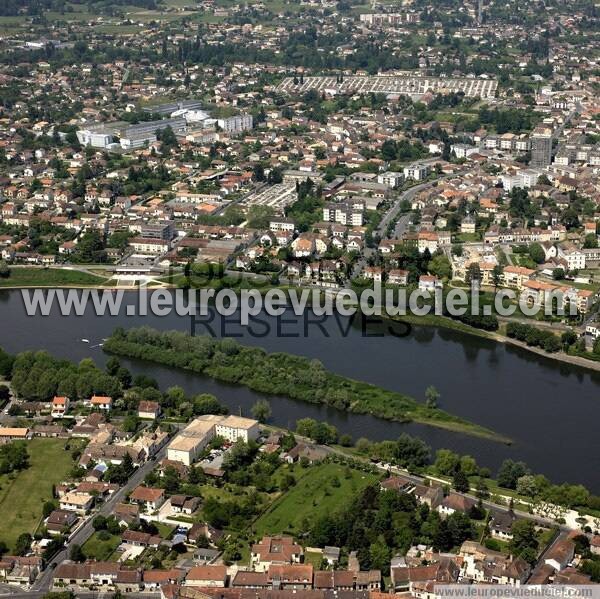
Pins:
<point x="44" y="581"/>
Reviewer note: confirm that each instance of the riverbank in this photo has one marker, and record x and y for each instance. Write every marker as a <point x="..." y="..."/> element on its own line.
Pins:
<point x="283" y="374"/>
<point x="444" y="322"/>
<point x="24" y="277"/>
<point x="73" y="279"/>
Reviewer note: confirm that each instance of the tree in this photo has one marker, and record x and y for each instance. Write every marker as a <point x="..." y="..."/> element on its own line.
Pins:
<point x="205" y="403"/>
<point x="13" y="457"/>
<point x="411" y="452"/>
<point x="497" y="276"/>
<point x="460" y="481"/>
<point x="363" y="445"/>
<point x="4" y="393"/>
<point x="460" y="528"/>
<point x="99" y="522"/>
<point x="481" y="489"/>
<point x="440" y="266"/>
<point x="442" y="539"/>
<point x="130" y="423"/>
<point x="259" y="172"/>
<point x="6" y="364"/>
<point x="432" y="397"/>
<point x="524" y="536"/>
<point x="260" y="216"/>
<point x="23" y="543"/>
<point x="510" y="472"/>
<point x="568" y="338"/>
<point x="76" y="554"/>
<point x="446" y="461"/>
<point x="527" y="485"/>
<point x="90" y="249"/>
<point x="537" y="253"/>
<point x="346" y="440"/>
<point x="48" y="508"/>
<point x="261" y="410"/>
<point x="473" y="273"/>
<point x="112" y="365"/>
<point x="287" y="482"/>
<point x="468" y="465"/>
<point x="4" y="270"/>
<point x="590" y="241"/>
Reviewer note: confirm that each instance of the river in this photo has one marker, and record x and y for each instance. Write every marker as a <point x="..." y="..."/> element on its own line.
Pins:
<point x="551" y="410"/>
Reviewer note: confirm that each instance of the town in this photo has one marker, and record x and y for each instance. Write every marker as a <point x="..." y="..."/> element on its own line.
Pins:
<point x="217" y="506"/>
<point x="162" y="493"/>
<point x="410" y="177"/>
<point x="280" y="144"/>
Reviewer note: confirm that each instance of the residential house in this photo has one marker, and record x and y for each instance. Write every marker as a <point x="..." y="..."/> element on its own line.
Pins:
<point x="60" y="407"/>
<point x="207" y="576"/>
<point x="149" y="410"/>
<point x="100" y="402"/>
<point x="148" y="498"/>
<point x="275" y="550"/>
<point x="560" y="554"/>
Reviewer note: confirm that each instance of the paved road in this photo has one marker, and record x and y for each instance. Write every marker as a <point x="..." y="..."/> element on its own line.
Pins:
<point x="409" y="195"/>
<point x="389" y="216"/>
<point x="402" y="224"/>
<point x="4" y="413"/>
<point x="44" y="582"/>
<point x="419" y="480"/>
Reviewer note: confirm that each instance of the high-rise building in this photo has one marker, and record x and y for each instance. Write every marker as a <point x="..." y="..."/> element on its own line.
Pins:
<point x="541" y="147"/>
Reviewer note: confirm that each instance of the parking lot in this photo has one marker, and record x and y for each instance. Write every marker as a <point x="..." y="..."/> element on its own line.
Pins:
<point x="394" y="84"/>
<point x="276" y="196"/>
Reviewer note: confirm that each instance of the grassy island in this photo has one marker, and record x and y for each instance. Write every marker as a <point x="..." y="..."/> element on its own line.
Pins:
<point x="283" y="374"/>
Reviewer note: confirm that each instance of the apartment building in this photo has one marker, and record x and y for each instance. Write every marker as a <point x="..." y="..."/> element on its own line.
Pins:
<point x="345" y="213"/>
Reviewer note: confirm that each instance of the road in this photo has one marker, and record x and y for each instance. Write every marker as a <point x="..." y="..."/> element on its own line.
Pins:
<point x="44" y="581"/>
<point x="419" y="480"/>
<point x="409" y="195"/>
<point x="4" y="413"/>
<point x="389" y="216"/>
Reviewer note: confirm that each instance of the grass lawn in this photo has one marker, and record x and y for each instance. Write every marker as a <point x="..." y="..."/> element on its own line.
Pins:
<point x="313" y="496"/>
<point x="467" y="237"/>
<point x="23" y="495"/>
<point x="23" y="276"/>
<point x="524" y="260"/>
<point x="101" y="550"/>
<point x="164" y="530"/>
<point x="314" y="558"/>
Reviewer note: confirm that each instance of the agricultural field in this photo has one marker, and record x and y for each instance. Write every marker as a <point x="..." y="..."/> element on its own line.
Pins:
<point x="22" y="495"/>
<point x="323" y="489"/>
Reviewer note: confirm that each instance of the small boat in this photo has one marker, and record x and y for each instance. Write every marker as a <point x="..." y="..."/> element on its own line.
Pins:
<point x="85" y="340"/>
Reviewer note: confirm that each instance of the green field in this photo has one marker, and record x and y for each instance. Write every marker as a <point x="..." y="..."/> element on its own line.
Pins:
<point x="314" y="495"/>
<point x="101" y="550"/>
<point x="23" y="495"/>
<point x="24" y="276"/>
